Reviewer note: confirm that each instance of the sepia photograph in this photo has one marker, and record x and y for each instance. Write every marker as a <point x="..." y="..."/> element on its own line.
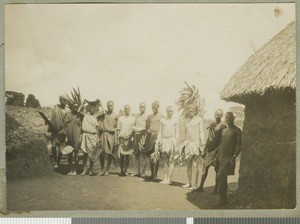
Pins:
<point x="188" y="106"/>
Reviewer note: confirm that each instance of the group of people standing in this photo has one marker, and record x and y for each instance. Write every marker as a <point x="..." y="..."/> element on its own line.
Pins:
<point x="154" y="138"/>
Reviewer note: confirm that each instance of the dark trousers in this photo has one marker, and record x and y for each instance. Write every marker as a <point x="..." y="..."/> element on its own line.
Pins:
<point x="222" y="185"/>
<point x="124" y="163"/>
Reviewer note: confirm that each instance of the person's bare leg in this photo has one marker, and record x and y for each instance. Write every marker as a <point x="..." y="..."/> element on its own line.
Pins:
<point x="203" y="178"/>
<point x="126" y="164"/>
<point x="102" y="161"/>
<point x="196" y="172"/>
<point x="152" y="170"/>
<point x="59" y="157"/>
<point x="91" y="167"/>
<point x="216" y="188"/>
<point x="109" y="160"/>
<point x="171" y="168"/>
<point x="84" y="164"/>
<point x="189" y="173"/>
<point x="54" y="155"/>
<point x="137" y="158"/>
<point x="76" y="155"/>
<point x="143" y="165"/>
<point x="70" y="160"/>
<point x="156" y="167"/>
<point x="122" y="162"/>
<point x="165" y="169"/>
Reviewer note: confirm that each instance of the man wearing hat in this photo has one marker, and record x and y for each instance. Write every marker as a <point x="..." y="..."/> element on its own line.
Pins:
<point x="192" y="144"/>
<point x="57" y="119"/>
<point x="152" y="127"/>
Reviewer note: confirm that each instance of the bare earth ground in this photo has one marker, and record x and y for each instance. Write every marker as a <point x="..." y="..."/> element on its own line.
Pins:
<point x="61" y="192"/>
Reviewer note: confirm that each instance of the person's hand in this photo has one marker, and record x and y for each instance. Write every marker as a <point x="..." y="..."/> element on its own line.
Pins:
<point x="214" y="162"/>
<point x="149" y="132"/>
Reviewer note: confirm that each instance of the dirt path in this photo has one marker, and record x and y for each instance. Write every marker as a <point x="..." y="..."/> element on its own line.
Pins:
<point x="61" y="192"/>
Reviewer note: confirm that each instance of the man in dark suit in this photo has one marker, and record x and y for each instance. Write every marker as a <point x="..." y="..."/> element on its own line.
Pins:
<point x="229" y="149"/>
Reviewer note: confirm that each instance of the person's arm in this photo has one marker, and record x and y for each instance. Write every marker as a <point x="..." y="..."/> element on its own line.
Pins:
<point x="132" y="129"/>
<point x="118" y="125"/>
<point x="201" y="132"/>
<point x="148" y="124"/>
<point x="238" y="145"/>
<point x="81" y="108"/>
<point x="67" y="119"/>
<point x="176" y="137"/>
<point x="201" y="136"/>
<point x="116" y="122"/>
<point x="100" y="127"/>
<point x="182" y="135"/>
<point x="62" y="124"/>
<point x="160" y="131"/>
<point x="117" y="133"/>
<point x="135" y="127"/>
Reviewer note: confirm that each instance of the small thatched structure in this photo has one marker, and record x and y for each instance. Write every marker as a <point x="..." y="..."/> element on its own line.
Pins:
<point x="266" y="85"/>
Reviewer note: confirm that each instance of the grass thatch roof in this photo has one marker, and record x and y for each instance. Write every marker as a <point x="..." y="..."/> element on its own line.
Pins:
<point x="272" y="67"/>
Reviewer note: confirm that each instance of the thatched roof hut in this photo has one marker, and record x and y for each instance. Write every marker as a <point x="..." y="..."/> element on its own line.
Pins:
<point x="272" y="67"/>
<point x="266" y="85"/>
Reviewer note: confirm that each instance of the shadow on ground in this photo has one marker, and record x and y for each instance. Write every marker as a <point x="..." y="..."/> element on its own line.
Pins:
<point x="204" y="200"/>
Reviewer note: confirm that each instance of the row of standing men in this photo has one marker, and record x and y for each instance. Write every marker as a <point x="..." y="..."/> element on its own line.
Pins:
<point x="152" y="138"/>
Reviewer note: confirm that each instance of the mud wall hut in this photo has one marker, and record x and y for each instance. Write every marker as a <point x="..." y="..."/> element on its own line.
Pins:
<point x="266" y="85"/>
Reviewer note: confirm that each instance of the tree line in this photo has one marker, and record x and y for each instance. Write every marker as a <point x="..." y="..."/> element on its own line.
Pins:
<point x="18" y="99"/>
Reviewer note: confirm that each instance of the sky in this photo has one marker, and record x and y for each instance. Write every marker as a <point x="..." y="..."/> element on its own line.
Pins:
<point x="132" y="53"/>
